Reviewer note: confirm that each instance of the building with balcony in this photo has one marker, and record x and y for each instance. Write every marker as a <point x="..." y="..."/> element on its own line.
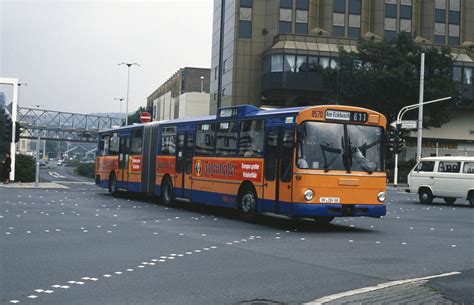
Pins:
<point x="184" y="94"/>
<point x="272" y="49"/>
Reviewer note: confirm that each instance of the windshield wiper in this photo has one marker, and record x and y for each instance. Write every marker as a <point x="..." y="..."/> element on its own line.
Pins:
<point x="361" y="159"/>
<point x="330" y="164"/>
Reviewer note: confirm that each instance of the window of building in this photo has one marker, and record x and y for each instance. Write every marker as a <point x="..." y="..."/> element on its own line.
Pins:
<point x="286" y="3"/>
<point x="440" y="15"/>
<point x="455" y="5"/>
<point x="353" y="32"/>
<point x="440" y="39"/>
<point x="114" y="145"/>
<point x="333" y="64"/>
<point x="301" y="64"/>
<point x="354" y="26"/>
<point x="391" y="10"/>
<point x="338" y="19"/>
<point x="301" y="19"/>
<point x="168" y="141"/>
<point x="289" y="64"/>
<point x="391" y="1"/>
<point x="453" y="30"/>
<point x="246" y="3"/>
<point x="389" y="35"/>
<point x="449" y="167"/>
<point x="405" y="11"/>
<point x="246" y="13"/>
<point x="405" y="25"/>
<point x="468" y="168"/>
<point x="467" y="77"/>
<point x="284" y="27"/>
<point x="454" y="17"/>
<point x="453" y="41"/>
<point x="302" y="4"/>
<point x="354" y="6"/>
<point x="390" y="24"/>
<point x="277" y="63"/>
<point x="313" y="63"/>
<point x="441" y="4"/>
<point x="457" y="73"/>
<point x="324" y="62"/>
<point x="136" y="142"/>
<point x="339" y="6"/>
<point x="245" y="29"/>
<point x="286" y="14"/>
<point x="251" y="139"/>
<point x="301" y="28"/>
<point x="205" y="142"/>
<point x="406" y="2"/>
<point x="226" y="144"/>
<point x="440" y="29"/>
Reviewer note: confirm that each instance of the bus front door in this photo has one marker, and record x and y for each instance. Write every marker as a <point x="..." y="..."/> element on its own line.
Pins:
<point x="122" y="177"/>
<point x="184" y="165"/>
<point x="278" y="170"/>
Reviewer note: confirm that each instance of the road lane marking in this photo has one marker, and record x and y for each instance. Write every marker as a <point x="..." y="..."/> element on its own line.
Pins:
<point x="336" y="296"/>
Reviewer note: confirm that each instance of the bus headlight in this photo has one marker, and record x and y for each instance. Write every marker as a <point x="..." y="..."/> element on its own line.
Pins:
<point x="308" y="195"/>
<point x="381" y="196"/>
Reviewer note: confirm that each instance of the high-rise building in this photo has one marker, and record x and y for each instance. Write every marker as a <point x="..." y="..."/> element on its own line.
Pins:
<point x="272" y="50"/>
<point x="184" y="94"/>
<point x="272" y="47"/>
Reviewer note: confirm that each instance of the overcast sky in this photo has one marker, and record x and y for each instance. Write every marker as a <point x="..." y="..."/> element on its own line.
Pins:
<point x="68" y="51"/>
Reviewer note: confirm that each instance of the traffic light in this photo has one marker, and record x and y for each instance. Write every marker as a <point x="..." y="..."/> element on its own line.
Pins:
<point x="396" y="141"/>
<point x="7" y="131"/>
<point x="18" y="131"/>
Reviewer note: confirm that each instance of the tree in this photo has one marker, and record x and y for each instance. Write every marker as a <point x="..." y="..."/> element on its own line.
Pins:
<point x="135" y="117"/>
<point x="384" y="76"/>
<point x="4" y="145"/>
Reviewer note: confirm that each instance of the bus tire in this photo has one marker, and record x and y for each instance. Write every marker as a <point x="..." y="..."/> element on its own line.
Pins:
<point x="323" y="220"/>
<point x="425" y="196"/>
<point x="247" y="203"/>
<point x="166" y="192"/>
<point x="113" y="184"/>
<point x="449" y="200"/>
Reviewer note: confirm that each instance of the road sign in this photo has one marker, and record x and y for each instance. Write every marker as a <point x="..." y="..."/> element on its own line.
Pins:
<point x="145" y="117"/>
<point x="405" y="124"/>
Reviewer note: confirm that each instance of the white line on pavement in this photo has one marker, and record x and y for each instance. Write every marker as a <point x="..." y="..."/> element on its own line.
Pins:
<point x="336" y="296"/>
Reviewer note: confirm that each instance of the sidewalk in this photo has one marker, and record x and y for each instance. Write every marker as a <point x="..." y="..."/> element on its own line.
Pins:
<point x="31" y="185"/>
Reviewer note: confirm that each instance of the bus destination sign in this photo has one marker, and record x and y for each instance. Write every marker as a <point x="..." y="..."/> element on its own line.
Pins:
<point x="349" y="116"/>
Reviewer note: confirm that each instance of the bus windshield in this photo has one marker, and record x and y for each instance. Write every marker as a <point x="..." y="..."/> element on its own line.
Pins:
<point x="334" y="146"/>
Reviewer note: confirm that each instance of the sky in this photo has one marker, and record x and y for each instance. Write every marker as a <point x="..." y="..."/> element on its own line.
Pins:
<point x="68" y="51"/>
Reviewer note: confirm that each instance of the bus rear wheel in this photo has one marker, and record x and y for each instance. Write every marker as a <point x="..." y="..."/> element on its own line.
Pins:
<point x="323" y="220"/>
<point x="247" y="201"/>
<point x="112" y="184"/>
<point x="167" y="192"/>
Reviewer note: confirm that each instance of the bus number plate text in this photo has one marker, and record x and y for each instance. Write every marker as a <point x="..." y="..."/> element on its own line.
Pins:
<point x="329" y="200"/>
<point x="349" y="116"/>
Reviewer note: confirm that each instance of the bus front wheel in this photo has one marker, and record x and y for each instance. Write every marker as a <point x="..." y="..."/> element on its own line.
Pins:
<point x="167" y="192"/>
<point x="248" y="203"/>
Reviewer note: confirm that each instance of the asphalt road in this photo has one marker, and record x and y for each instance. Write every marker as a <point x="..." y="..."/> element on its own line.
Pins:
<point x="82" y="246"/>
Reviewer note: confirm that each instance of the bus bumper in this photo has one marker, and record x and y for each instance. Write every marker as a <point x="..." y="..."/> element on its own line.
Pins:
<point x="302" y="210"/>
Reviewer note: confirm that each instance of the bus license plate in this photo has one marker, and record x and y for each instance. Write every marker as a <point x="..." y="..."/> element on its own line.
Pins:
<point x="329" y="199"/>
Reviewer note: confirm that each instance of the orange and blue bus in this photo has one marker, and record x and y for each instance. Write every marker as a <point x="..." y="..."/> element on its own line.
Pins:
<point x="315" y="162"/>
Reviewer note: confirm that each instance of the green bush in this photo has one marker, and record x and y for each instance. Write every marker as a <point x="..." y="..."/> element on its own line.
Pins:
<point x="86" y="170"/>
<point x="72" y="163"/>
<point x="25" y="168"/>
<point x="404" y="167"/>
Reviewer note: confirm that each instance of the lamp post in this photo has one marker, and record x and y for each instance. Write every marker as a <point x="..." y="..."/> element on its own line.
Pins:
<point x="202" y="83"/>
<point x="120" y="99"/>
<point x="128" y="86"/>
<point x="400" y="115"/>
<point x="18" y="98"/>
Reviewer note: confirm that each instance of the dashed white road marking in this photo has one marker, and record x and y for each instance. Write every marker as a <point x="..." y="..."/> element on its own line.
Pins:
<point x="336" y="296"/>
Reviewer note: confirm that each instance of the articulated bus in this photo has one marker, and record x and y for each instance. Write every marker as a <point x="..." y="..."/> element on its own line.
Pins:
<point x="315" y="162"/>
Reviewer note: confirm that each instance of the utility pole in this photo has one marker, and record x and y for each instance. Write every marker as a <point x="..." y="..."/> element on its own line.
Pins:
<point x="120" y="99"/>
<point x="128" y="87"/>
<point x="420" y="109"/>
<point x="38" y="143"/>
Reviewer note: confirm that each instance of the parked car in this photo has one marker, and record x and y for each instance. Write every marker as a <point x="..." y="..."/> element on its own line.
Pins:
<point x="449" y="178"/>
<point x="42" y="163"/>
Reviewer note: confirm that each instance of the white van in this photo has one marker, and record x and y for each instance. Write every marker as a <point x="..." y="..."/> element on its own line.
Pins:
<point x="444" y="177"/>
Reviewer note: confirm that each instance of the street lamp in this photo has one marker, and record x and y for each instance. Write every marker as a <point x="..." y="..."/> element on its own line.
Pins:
<point x="18" y="98"/>
<point x="400" y="115"/>
<point x="202" y="83"/>
<point x="128" y="86"/>
<point x="120" y="99"/>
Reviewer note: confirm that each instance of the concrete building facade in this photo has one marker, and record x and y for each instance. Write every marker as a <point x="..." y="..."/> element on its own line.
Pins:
<point x="272" y="48"/>
<point x="184" y="94"/>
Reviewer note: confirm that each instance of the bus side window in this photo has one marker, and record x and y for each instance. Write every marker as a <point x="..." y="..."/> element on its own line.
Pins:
<point x="104" y="146"/>
<point x="226" y="144"/>
<point x="168" y="141"/>
<point x="205" y="142"/>
<point x="136" y="144"/>
<point x="251" y="139"/>
<point x="114" y="145"/>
